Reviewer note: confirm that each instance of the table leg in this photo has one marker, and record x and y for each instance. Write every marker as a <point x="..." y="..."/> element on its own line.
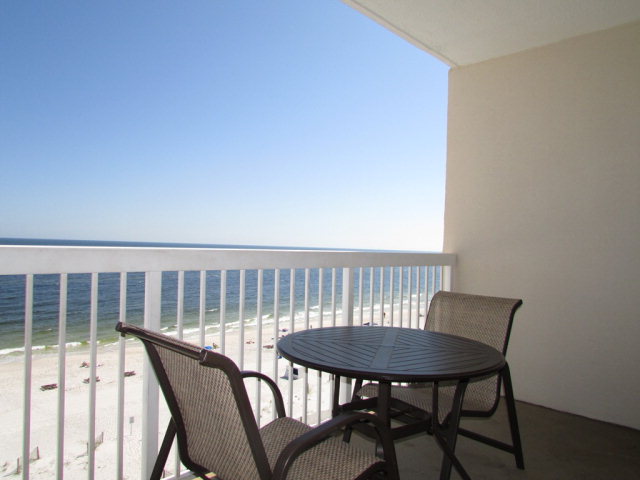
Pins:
<point x="384" y="402"/>
<point x="447" y="439"/>
<point x="336" y="396"/>
<point x="382" y="410"/>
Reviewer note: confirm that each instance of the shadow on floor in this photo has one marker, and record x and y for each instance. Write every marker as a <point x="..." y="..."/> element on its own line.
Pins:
<point x="556" y="446"/>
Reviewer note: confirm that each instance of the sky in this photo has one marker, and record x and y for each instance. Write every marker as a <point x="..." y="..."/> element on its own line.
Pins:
<point x="250" y="122"/>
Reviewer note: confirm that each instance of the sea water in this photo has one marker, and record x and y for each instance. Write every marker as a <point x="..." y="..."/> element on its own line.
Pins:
<point x="46" y="299"/>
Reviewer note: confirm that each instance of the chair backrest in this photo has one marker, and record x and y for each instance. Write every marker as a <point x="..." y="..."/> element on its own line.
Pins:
<point x="485" y="319"/>
<point x="216" y="429"/>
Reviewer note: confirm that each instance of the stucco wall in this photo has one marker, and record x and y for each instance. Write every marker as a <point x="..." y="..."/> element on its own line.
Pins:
<point x="543" y="203"/>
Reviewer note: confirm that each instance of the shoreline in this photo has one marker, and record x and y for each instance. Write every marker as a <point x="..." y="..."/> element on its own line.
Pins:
<point x="107" y="335"/>
<point x="259" y="354"/>
<point x="44" y="402"/>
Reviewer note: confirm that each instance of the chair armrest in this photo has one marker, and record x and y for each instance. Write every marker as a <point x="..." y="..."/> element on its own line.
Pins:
<point x="277" y="395"/>
<point x="325" y="430"/>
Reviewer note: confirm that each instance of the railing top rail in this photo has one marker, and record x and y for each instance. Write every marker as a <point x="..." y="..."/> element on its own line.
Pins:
<point x="16" y="260"/>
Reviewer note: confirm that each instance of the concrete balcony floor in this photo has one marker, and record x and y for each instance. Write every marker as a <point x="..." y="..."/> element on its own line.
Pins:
<point x="556" y="446"/>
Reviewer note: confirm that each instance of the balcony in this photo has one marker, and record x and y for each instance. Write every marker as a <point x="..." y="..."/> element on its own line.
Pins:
<point x="91" y="409"/>
<point x="542" y="204"/>
<point x="83" y="403"/>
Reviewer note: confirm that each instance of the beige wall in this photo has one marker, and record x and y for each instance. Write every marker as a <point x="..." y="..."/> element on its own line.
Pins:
<point x="543" y="203"/>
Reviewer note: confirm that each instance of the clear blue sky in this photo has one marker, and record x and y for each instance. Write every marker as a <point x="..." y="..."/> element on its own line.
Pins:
<point x="240" y="122"/>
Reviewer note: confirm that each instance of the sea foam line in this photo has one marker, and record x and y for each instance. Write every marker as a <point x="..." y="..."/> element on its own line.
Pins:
<point x="9" y="351"/>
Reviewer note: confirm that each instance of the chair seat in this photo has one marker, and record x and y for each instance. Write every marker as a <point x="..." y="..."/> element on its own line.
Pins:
<point x="420" y="396"/>
<point x="333" y="459"/>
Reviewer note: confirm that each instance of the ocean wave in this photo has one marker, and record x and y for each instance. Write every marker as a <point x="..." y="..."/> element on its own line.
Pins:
<point x="9" y="351"/>
<point x="35" y="348"/>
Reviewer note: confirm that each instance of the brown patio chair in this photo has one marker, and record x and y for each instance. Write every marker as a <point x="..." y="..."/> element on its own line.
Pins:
<point x="217" y="431"/>
<point x="481" y="318"/>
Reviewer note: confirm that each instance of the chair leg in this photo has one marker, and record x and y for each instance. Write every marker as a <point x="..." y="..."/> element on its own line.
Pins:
<point x="513" y="417"/>
<point x="346" y="436"/>
<point x="335" y="410"/>
<point x="447" y="441"/>
<point x="167" y="442"/>
<point x="358" y="385"/>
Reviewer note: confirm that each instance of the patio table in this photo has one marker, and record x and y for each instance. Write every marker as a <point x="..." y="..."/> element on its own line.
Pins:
<point x="395" y="354"/>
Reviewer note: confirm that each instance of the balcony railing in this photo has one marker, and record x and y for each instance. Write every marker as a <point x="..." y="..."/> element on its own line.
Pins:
<point x="81" y="402"/>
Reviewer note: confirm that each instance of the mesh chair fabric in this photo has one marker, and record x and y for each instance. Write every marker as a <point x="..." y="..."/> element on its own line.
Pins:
<point x="332" y="459"/>
<point x="482" y="318"/>
<point x="478" y="317"/>
<point x="421" y="396"/>
<point x="216" y="437"/>
<point x="205" y="396"/>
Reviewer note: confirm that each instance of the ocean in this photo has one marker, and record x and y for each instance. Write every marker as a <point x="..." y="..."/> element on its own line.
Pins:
<point x="47" y="298"/>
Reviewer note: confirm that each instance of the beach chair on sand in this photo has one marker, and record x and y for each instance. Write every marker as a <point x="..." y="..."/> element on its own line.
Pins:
<point x="217" y="431"/>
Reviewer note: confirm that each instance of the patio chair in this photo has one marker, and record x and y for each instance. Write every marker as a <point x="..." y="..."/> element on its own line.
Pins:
<point x="481" y="318"/>
<point x="217" y="431"/>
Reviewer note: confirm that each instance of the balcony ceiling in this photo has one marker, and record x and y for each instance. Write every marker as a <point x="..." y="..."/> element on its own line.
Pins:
<point x="462" y="32"/>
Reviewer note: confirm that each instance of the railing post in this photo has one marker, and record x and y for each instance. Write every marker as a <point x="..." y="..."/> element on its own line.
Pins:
<point x="347" y="296"/>
<point x="26" y="411"/>
<point x="447" y="277"/>
<point x="121" y="365"/>
<point x="150" y="389"/>
<point x="93" y="360"/>
<point x="347" y="319"/>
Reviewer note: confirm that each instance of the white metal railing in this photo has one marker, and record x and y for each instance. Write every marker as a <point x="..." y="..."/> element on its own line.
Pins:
<point x="237" y="301"/>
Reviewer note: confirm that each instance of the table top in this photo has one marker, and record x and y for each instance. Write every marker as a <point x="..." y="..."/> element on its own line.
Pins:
<point x="390" y="353"/>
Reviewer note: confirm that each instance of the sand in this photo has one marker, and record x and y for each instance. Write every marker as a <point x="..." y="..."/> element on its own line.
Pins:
<point x="77" y="399"/>
<point x="77" y="402"/>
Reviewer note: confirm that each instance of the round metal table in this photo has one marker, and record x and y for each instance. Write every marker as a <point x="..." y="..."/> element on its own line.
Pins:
<point x="390" y="354"/>
<point x="394" y="354"/>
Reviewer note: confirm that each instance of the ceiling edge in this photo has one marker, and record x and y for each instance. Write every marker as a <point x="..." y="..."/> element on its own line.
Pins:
<point x="399" y="31"/>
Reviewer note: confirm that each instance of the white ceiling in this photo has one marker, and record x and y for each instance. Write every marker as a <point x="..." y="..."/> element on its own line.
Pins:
<point x="462" y="32"/>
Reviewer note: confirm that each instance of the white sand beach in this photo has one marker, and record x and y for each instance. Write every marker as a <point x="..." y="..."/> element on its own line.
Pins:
<point x="77" y="402"/>
<point x="77" y="397"/>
